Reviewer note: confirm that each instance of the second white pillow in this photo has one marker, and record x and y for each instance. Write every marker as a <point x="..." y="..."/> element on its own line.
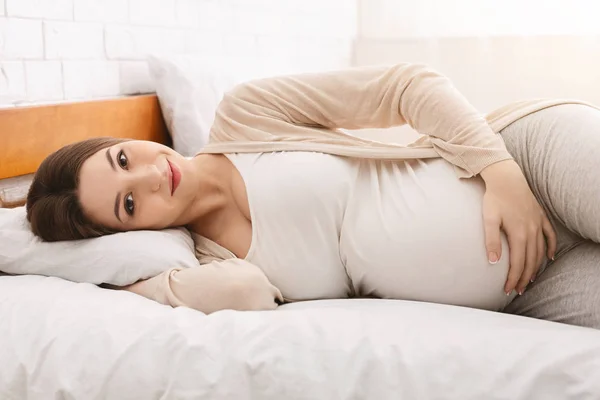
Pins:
<point x="189" y="89"/>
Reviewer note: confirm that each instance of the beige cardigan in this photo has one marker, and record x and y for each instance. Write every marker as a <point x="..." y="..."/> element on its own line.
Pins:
<point x="305" y="113"/>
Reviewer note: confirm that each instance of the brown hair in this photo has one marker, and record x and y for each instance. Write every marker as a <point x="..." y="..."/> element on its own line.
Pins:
<point x="53" y="206"/>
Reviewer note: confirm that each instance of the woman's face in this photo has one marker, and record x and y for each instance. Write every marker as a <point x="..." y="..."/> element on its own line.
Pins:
<point x="137" y="185"/>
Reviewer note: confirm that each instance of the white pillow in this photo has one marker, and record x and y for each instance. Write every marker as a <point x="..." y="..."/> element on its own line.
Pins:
<point x="189" y="89"/>
<point x="118" y="259"/>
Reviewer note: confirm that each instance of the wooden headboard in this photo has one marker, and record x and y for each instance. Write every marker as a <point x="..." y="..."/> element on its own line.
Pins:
<point x="29" y="134"/>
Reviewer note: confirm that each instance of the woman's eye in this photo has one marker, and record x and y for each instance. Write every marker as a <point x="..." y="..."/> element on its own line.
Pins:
<point x="129" y="205"/>
<point x="122" y="160"/>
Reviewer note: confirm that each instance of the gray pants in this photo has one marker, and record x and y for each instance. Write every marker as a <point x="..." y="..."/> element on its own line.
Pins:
<point x="558" y="150"/>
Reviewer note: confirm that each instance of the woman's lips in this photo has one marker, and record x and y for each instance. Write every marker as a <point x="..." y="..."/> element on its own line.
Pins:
<point x="175" y="176"/>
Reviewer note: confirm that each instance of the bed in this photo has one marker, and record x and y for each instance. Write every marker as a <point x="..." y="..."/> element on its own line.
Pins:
<point x="65" y="340"/>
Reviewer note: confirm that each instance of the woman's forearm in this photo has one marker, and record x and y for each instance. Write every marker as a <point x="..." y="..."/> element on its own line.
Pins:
<point x="283" y="108"/>
<point x="231" y="284"/>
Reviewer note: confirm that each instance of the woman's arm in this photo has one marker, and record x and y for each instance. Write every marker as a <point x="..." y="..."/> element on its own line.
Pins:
<point x="366" y="97"/>
<point x="231" y="284"/>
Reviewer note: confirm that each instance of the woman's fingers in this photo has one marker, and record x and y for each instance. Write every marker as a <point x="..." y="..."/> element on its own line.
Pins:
<point x="541" y="249"/>
<point x="493" y="243"/>
<point x="531" y="257"/>
<point x="518" y="247"/>
<point x="550" y="237"/>
<point x="278" y="296"/>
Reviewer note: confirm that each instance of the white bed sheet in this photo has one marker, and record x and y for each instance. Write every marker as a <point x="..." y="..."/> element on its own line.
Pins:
<point x="62" y="340"/>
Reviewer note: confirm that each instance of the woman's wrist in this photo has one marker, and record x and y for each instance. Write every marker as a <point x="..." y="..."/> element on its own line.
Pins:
<point x="500" y="172"/>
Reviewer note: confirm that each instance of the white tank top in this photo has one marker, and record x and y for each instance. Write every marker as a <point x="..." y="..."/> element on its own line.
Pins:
<point x="325" y="226"/>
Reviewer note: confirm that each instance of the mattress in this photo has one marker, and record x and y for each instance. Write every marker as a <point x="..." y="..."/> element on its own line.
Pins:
<point x="62" y="340"/>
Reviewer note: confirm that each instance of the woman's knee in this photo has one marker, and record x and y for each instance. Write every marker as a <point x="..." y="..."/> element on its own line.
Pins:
<point x="568" y="291"/>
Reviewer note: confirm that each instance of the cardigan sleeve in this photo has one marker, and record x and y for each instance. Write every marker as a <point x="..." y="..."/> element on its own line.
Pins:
<point x="232" y="284"/>
<point x="283" y="108"/>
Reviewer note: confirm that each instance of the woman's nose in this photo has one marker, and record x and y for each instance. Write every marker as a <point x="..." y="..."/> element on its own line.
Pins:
<point x="147" y="178"/>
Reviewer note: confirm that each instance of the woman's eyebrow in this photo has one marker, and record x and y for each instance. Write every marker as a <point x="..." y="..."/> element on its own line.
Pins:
<point x="110" y="160"/>
<point x="118" y="198"/>
<point x="117" y="206"/>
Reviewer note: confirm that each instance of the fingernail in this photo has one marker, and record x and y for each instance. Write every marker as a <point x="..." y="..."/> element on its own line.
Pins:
<point x="520" y="293"/>
<point x="509" y="292"/>
<point x="552" y="258"/>
<point x="492" y="257"/>
<point x="532" y="280"/>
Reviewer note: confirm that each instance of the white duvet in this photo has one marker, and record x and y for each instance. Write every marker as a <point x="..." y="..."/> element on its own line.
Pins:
<point x="61" y="340"/>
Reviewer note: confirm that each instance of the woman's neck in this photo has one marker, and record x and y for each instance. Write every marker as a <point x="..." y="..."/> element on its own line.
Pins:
<point x="213" y="182"/>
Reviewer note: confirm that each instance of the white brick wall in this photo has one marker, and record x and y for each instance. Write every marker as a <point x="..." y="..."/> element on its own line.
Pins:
<point x="52" y="9"/>
<point x="135" y="42"/>
<point x="21" y="39"/>
<point x="73" y="40"/>
<point x="152" y="12"/>
<point x="90" y="78"/>
<point x="44" y="79"/>
<point x="12" y="82"/>
<point x="101" y="11"/>
<point x="55" y="50"/>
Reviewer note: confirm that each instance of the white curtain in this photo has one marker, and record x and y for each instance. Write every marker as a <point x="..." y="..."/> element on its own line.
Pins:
<point x="496" y="51"/>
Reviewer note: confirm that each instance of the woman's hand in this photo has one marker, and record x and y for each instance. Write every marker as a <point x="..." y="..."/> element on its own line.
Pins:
<point x="509" y="204"/>
<point x="232" y="284"/>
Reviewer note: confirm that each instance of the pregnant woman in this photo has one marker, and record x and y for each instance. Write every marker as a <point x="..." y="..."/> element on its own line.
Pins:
<point x="498" y="214"/>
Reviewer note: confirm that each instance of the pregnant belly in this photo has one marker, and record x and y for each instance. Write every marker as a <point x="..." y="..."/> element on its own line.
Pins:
<point x="423" y="240"/>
